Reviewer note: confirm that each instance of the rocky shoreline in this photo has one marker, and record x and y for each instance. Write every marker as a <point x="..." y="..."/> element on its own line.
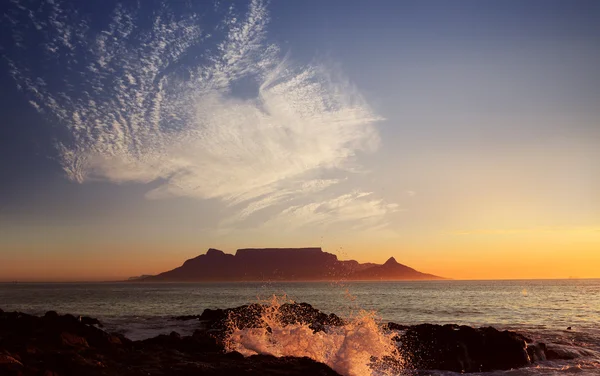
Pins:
<point x="62" y="345"/>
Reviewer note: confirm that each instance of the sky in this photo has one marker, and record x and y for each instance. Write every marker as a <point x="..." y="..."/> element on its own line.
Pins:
<point x="461" y="138"/>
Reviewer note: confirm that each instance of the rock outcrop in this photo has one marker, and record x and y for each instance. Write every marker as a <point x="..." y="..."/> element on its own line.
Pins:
<point x="249" y="316"/>
<point x="63" y="345"/>
<point x="465" y="349"/>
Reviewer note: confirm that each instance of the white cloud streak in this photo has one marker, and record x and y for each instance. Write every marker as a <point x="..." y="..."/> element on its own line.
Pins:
<point x="240" y="124"/>
<point x="357" y="207"/>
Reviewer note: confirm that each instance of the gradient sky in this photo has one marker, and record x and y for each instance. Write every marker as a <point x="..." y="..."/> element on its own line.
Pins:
<point x="462" y="138"/>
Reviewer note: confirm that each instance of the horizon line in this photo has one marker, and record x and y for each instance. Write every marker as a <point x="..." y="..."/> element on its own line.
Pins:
<point x="9" y="282"/>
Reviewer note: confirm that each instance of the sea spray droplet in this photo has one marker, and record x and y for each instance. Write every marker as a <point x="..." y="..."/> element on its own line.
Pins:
<point x="359" y="347"/>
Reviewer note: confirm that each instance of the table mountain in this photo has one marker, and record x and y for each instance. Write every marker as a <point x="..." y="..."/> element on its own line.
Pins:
<point x="282" y="264"/>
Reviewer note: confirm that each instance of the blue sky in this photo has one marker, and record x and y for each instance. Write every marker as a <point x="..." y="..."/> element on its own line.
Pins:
<point x="387" y="125"/>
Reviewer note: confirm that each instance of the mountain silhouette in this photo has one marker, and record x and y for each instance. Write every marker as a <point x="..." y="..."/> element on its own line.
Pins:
<point x="391" y="270"/>
<point x="282" y="264"/>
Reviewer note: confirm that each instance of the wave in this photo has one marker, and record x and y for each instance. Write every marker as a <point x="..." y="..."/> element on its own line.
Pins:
<point x="360" y="347"/>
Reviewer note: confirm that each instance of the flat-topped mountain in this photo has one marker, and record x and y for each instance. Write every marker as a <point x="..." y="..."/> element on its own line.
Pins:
<point x="282" y="264"/>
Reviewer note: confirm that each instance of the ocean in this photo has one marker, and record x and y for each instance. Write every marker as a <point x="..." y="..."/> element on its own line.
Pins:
<point x="540" y="309"/>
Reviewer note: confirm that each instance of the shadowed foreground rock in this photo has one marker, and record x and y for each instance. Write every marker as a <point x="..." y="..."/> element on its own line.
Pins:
<point x="55" y="345"/>
<point x="465" y="349"/>
<point x="63" y="345"/>
<point x="249" y="316"/>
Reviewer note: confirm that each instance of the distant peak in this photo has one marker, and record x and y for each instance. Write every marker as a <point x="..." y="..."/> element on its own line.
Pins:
<point x="214" y="252"/>
<point x="285" y="264"/>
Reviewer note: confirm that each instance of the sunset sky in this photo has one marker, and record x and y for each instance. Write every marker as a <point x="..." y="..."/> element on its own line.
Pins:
<point x="462" y="138"/>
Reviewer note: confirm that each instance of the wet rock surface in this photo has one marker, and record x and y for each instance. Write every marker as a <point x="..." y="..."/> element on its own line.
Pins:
<point x="59" y="345"/>
<point x="63" y="345"/>
<point x="465" y="349"/>
<point x="249" y="316"/>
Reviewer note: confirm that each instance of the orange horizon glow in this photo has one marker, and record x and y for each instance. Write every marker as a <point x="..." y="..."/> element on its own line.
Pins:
<point x="460" y="255"/>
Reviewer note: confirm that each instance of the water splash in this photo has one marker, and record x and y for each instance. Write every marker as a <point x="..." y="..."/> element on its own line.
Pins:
<point x="360" y="347"/>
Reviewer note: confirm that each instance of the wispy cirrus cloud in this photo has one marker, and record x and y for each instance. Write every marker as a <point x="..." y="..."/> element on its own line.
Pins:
<point x="210" y="114"/>
<point x="359" y="208"/>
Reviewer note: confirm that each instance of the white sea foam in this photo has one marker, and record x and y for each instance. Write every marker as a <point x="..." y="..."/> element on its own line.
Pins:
<point x="360" y="347"/>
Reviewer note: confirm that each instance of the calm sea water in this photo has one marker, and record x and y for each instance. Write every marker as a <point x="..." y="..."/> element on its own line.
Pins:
<point x="541" y="309"/>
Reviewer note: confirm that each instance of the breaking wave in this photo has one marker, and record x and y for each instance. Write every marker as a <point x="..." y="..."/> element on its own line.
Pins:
<point x="359" y="347"/>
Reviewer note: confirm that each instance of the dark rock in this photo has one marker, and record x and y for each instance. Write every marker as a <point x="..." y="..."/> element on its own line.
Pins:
<point x="69" y="319"/>
<point x="116" y="339"/>
<point x="334" y="320"/>
<point x="394" y="326"/>
<point x="537" y="352"/>
<point x="250" y="316"/>
<point x="552" y="354"/>
<point x="564" y="351"/>
<point x="291" y="365"/>
<point x="234" y="355"/>
<point x="186" y="317"/>
<point x="72" y="340"/>
<point x="212" y="315"/>
<point x="90" y="321"/>
<point x="10" y="364"/>
<point x="161" y="340"/>
<point x="463" y="349"/>
<point x="66" y="346"/>
<point x="205" y="342"/>
<point x="51" y="315"/>
<point x="7" y="358"/>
